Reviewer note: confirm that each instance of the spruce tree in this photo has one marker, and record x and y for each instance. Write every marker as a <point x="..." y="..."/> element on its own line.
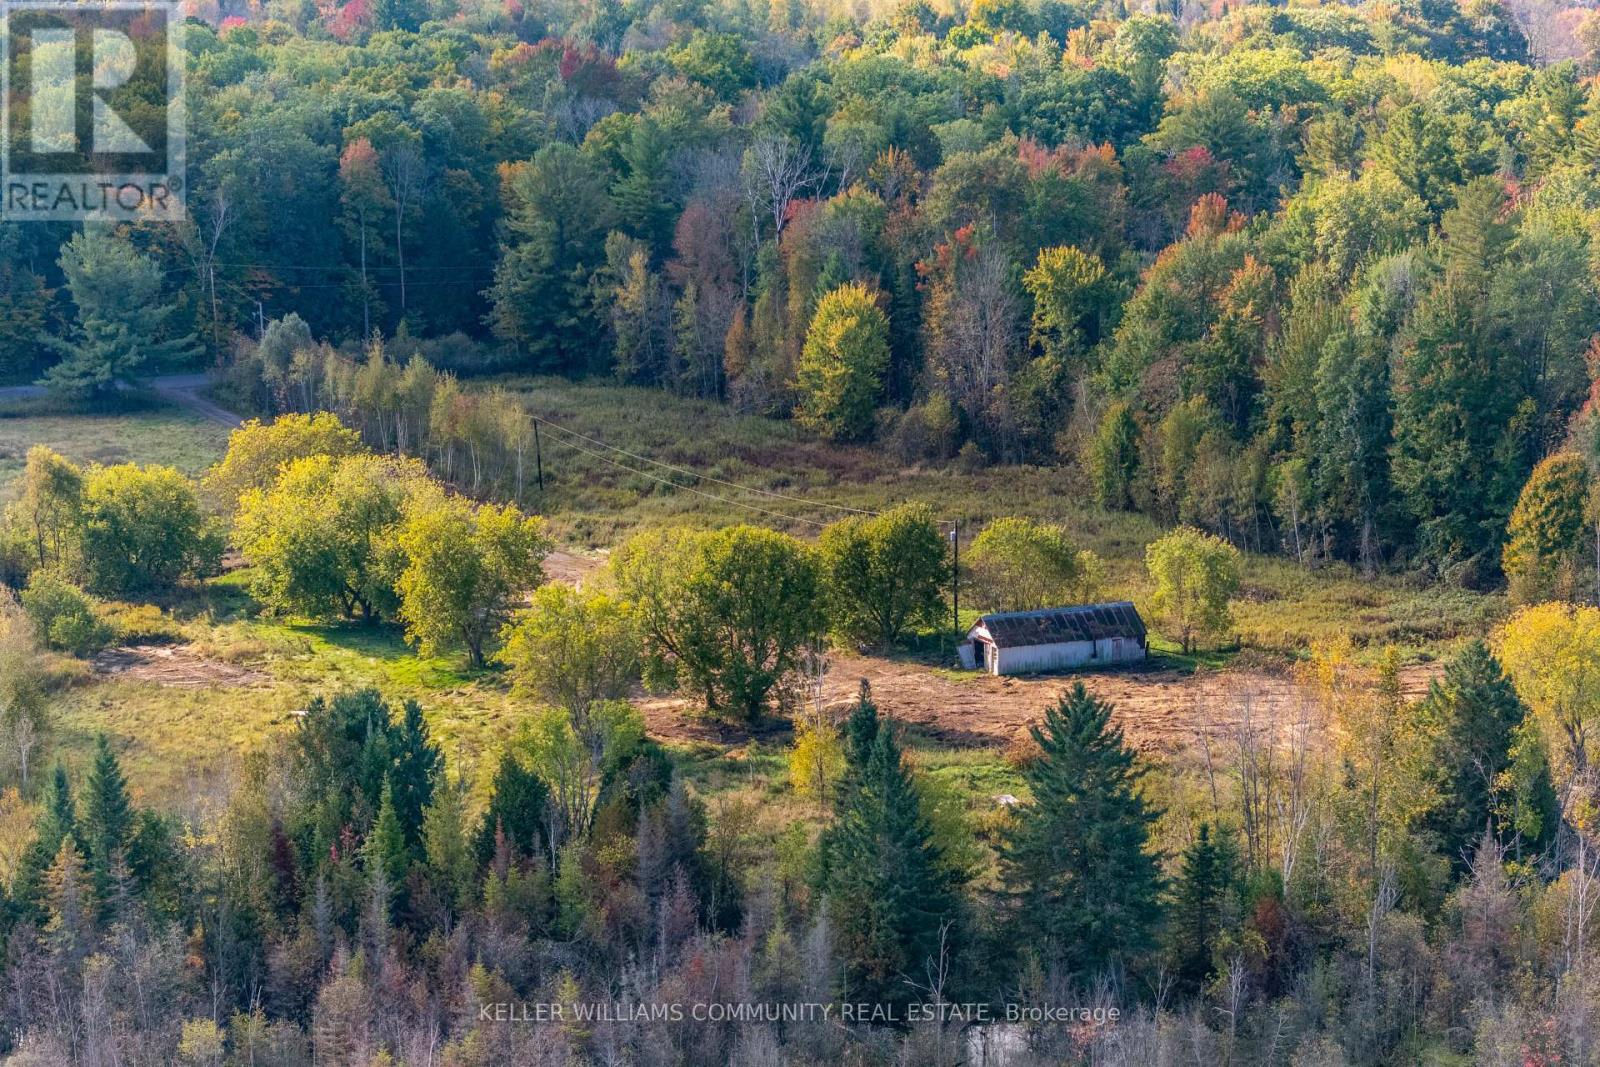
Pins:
<point x="1076" y="861"/>
<point x="446" y="845"/>
<point x="516" y="810"/>
<point x="58" y="821"/>
<point x="417" y="764"/>
<point x="385" y="848"/>
<point x="1475" y="714"/>
<point x="69" y="927"/>
<point x="108" y="817"/>
<point x="1207" y="881"/>
<point x="895" y="904"/>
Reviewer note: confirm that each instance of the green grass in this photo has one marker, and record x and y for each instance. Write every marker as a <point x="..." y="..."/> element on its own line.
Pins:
<point x="171" y="737"/>
<point x="1284" y="608"/>
<point x="142" y="434"/>
<point x="175" y="739"/>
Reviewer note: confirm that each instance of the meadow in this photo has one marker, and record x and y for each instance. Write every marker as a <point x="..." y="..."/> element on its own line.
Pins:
<point x="209" y="677"/>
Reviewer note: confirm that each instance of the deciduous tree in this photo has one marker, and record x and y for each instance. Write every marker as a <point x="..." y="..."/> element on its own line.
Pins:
<point x="1196" y="575"/>
<point x="885" y="573"/>
<point x="464" y="569"/>
<point x="846" y="354"/>
<point x="1021" y="565"/>
<point x="142" y="530"/>
<point x="730" y="610"/>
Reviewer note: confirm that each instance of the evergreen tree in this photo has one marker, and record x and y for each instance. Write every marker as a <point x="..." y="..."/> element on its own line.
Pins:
<point x="1113" y="458"/>
<point x="340" y="756"/>
<point x="417" y="763"/>
<point x="69" y="927"/>
<point x="1476" y="717"/>
<point x="108" y="817"/>
<point x="516" y="810"/>
<point x="1203" y="893"/>
<point x="445" y="843"/>
<point x="385" y="849"/>
<point x="1076" y="861"/>
<point x="58" y="822"/>
<point x="893" y="900"/>
<point x="121" y="324"/>
<point x="542" y="296"/>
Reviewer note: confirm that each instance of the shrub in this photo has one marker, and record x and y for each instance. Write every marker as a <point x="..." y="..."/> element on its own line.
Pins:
<point x="63" y="616"/>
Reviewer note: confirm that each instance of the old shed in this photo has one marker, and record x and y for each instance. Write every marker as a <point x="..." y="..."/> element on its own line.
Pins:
<point x="1020" y="642"/>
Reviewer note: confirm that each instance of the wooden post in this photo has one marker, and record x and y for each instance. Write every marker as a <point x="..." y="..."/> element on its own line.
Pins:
<point x="538" y="454"/>
<point x="955" y="582"/>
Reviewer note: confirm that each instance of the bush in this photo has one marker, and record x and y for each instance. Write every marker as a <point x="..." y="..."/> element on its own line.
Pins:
<point x="927" y="432"/>
<point x="143" y="530"/>
<point x="63" y="616"/>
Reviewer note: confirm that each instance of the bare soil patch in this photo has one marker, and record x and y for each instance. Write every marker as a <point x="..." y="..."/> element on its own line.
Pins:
<point x="174" y="665"/>
<point x="571" y="567"/>
<point x="1159" y="710"/>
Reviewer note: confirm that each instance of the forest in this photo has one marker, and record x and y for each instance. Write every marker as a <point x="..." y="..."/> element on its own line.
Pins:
<point x="378" y="729"/>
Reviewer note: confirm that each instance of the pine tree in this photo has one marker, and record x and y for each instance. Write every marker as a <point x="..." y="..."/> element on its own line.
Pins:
<point x="122" y="320"/>
<point x="1204" y="886"/>
<point x="893" y="901"/>
<point x="1076" y="862"/>
<point x="108" y="817"/>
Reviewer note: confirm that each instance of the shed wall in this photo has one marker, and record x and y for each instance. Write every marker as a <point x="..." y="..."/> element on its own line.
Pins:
<point x="1034" y="658"/>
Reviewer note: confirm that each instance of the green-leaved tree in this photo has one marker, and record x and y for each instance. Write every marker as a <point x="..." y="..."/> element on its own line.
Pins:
<point x="885" y="573"/>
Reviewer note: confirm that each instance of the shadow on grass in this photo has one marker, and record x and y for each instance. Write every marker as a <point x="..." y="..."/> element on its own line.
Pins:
<point x="394" y="661"/>
<point x="124" y="402"/>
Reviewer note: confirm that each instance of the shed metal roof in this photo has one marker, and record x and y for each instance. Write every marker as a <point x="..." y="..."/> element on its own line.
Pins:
<point x="1087" y="622"/>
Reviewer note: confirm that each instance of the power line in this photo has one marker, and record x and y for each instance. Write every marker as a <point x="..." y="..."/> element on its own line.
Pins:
<point x="688" y="488"/>
<point x="693" y="474"/>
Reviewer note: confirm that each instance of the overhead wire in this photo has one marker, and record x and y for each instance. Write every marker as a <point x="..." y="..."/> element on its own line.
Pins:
<point x="689" y="488"/>
<point x="772" y="494"/>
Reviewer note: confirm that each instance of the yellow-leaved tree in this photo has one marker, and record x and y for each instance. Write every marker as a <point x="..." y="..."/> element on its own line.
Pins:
<point x="1552" y="653"/>
<point x="1196" y="576"/>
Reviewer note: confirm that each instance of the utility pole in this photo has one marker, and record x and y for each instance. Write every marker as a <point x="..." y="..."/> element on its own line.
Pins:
<point x="955" y="580"/>
<point x="538" y="454"/>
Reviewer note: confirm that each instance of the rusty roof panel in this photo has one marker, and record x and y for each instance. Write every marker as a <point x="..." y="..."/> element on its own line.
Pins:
<point x="1087" y="622"/>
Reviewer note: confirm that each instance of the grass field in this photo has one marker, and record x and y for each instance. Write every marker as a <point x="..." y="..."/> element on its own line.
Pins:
<point x="596" y="502"/>
<point x="231" y="679"/>
<point x="153" y="433"/>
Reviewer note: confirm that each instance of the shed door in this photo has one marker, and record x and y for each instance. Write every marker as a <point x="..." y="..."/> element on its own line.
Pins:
<point x="990" y="657"/>
<point x="1116" y="648"/>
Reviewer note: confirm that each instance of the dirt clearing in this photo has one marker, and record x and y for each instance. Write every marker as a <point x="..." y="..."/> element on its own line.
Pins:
<point x="1158" y="709"/>
<point x="174" y="665"/>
